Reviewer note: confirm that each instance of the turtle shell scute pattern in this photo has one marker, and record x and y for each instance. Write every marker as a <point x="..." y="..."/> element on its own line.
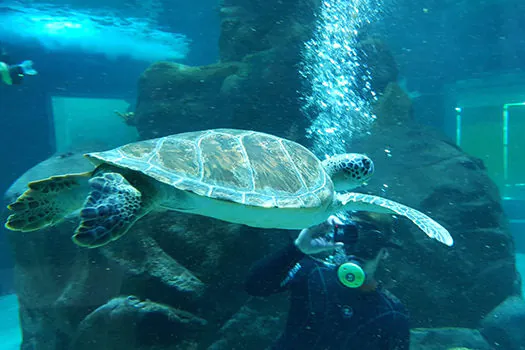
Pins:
<point x="241" y="166"/>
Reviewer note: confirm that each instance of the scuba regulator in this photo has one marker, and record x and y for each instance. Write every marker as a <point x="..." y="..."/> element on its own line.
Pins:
<point x="350" y="273"/>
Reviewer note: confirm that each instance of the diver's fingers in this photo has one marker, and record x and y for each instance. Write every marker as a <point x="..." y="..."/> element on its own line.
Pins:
<point x="335" y="245"/>
<point x="327" y="245"/>
<point x="334" y="220"/>
<point x="316" y="230"/>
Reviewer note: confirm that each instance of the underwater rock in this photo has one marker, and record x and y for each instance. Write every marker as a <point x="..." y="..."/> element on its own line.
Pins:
<point x="254" y="326"/>
<point x="259" y="93"/>
<point x="266" y="98"/>
<point x="251" y="27"/>
<point x="447" y="339"/>
<point x="141" y="256"/>
<point x="218" y="253"/>
<point x="51" y="276"/>
<point x="57" y="283"/>
<point x="442" y="286"/>
<point x="379" y="61"/>
<point x="176" y="98"/>
<point x="129" y="323"/>
<point x="54" y="165"/>
<point x="188" y="262"/>
<point x="394" y="107"/>
<point x="240" y="34"/>
<point x="256" y="85"/>
<point x="503" y="327"/>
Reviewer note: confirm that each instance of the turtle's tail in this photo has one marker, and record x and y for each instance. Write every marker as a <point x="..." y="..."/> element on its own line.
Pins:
<point x="47" y="202"/>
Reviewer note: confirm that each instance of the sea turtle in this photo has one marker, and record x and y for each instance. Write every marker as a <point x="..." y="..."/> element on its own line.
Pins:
<point x="239" y="176"/>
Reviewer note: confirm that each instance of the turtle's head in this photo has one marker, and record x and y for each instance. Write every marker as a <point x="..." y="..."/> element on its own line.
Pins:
<point x="349" y="170"/>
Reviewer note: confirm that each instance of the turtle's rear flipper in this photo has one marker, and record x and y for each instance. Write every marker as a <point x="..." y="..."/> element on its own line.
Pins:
<point x="112" y="207"/>
<point x="47" y="202"/>
<point x="365" y="202"/>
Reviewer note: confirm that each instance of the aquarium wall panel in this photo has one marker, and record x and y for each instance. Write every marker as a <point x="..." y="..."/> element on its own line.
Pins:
<point x="84" y="124"/>
<point x="486" y="116"/>
<point x="479" y="133"/>
<point x="515" y="132"/>
<point x="495" y="135"/>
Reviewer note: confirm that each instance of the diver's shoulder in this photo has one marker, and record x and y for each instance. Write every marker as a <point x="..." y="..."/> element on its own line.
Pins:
<point x="392" y="300"/>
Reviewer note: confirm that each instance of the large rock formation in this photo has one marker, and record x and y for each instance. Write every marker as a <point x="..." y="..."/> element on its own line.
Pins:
<point x="72" y="298"/>
<point x="440" y="285"/>
<point x="140" y="292"/>
<point x="420" y="167"/>
<point x="129" y="323"/>
<point x="255" y="85"/>
<point x="503" y="326"/>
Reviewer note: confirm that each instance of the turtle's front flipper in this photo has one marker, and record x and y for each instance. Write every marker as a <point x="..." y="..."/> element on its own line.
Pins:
<point x="47" y="202"/>
<point x="113" y="205"/>
<point x="365" y="202"/>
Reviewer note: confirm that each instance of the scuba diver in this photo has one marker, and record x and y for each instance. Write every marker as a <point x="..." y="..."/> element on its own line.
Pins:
<point x="14" y="74"/>
<point x="335" y="300"/>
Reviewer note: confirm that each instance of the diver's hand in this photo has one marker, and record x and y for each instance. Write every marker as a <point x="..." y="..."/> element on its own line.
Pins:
<point x="318" y="239"/>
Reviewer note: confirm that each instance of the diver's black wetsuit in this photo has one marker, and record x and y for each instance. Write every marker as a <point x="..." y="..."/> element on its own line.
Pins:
<point x="323" y="313"/>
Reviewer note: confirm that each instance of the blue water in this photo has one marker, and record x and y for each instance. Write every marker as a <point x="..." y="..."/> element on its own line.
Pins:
<point x="434" y="44"/>
<point x="520" y="264"/>
<point x="9" y="329"/>
<point x="86" y="71"/>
